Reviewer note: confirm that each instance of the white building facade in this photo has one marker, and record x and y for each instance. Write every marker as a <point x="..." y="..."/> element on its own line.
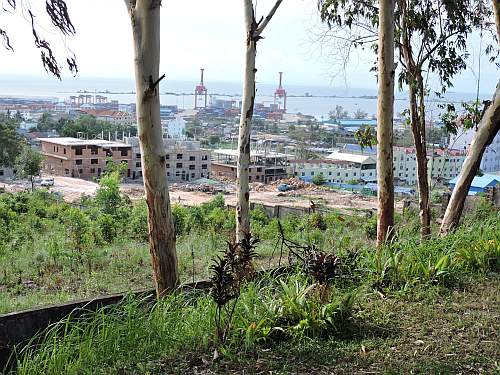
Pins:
<point x="491" y="157"/>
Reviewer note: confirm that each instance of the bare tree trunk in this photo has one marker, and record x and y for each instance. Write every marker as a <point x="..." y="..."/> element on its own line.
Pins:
<point x="417" y="128"/>
<point x="385" y="112"/>
<point x="486" y="132"/>
<point x="496" y="9"/>
<point x="145" y="19"/>
<point x="254" y="30"/>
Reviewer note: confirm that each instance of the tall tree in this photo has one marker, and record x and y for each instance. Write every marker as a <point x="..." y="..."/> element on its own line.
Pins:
<point x="385" y="114"/>
<point x="57" y="11"/>
<point x="145" y="20"/>
<point x="487" y="129"/>
<point x="29" y="164"/>
<point x="431" y="38"/>
<point x="254" y="32"/>
<point x="10" y="142"/>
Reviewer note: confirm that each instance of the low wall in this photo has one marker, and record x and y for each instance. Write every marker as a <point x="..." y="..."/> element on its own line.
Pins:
<point x="18" y="328"/>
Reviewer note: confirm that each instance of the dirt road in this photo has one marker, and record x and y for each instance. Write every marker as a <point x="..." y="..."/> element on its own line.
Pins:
<point x="73" y="188"/>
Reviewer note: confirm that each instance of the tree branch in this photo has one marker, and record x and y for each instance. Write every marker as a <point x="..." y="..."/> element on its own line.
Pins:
<point x="263" y="23"/>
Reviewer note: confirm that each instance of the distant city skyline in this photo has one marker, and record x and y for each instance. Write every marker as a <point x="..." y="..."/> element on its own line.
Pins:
<point x="198" y="34"/>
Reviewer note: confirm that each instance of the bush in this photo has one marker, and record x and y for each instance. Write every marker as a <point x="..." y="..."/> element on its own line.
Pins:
<point x="319" y="179"/>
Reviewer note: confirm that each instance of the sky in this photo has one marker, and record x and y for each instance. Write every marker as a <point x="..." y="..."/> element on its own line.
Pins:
<point x="209" y="34"/>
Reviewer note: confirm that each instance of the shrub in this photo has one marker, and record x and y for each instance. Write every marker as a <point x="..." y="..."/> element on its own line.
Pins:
<point x="319" y="179"/>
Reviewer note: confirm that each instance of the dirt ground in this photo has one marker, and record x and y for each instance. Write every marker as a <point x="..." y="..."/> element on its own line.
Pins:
<point x="301" y="196"/>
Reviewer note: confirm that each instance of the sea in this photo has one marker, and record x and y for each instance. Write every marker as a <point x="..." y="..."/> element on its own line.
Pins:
<point x="317" y="101"/>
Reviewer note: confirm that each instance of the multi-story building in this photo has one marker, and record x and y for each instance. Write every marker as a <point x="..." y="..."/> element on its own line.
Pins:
<point x="185" y="160"/>
<point x="338" y="168"/>
<point x="112" y="116"/>
<point x="264" y="166"/>
<point x="442" y="164"/>
<point x="491" y="157"/>
<point x="81" y="158"/>
<point x="175" y="128"/>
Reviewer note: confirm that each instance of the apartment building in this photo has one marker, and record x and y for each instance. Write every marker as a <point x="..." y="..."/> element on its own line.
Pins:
<point x="491" y="157"/>
<point x="337" y="168"/>
<point x="81" y="158"/>
<point x="442" y="164"/>
<point x="264" y="166"/>
<point x="185" y="160"/>
<point x="112" y="116"/>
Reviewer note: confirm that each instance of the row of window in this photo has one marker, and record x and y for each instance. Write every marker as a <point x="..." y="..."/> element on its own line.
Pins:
<point x="303" y="174"/>
<point x="94" y="161"/>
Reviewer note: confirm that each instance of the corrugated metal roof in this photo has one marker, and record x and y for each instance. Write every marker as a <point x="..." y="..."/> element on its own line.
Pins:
<point x="480" y="181"/>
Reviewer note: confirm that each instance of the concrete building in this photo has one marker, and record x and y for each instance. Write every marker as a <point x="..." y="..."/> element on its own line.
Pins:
<point x="264" y="166"/>
<point x="444" y="164"/>
<point x="112" y="116"/>
<point x="337" y="167"/>
<point x="491" y="157"/>
<point x="79" y="158"/>
<point x="185" y="160"/>
<point x="175" y="128"/>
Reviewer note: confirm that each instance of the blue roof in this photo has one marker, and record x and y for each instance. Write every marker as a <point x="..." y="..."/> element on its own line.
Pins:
<point x="481" y="181"/>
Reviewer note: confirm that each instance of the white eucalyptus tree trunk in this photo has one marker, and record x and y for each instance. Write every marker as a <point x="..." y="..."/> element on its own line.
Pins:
<point x="145" y="20"/>
<point x="486" y="131"/>
<point x="254" y="30"/>
<point x="385" y="112"/>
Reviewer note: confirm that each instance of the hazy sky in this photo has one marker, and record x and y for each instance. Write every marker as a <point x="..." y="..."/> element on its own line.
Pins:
<point x="202" y="33"/>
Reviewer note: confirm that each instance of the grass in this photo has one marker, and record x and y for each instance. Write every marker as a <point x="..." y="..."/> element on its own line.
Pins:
<point x="430" y="307"/>
<point x="432" y="331"/>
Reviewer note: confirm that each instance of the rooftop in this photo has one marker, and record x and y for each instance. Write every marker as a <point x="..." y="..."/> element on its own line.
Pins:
<point x="253" y="153"/>
<point x="353" y="158"/>
<point x="68" y="141"/>
<point x="481" y="181"/>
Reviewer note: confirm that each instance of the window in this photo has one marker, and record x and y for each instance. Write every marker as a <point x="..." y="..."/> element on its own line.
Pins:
<point x="204" y="157"/>
<point x="138" y="156"/>
<point x="354" y="174"/>
<point x="303" y="174"/>
<point x="192" y="167"/>
<point x="138" y="164"/>
<point x="193" y="175"/>
<point x="312" y="173"/>
<point x="124" y="152"/>
<point x="249" y="178"/>
<point x="1" y="172"/>
<point x="66" y="171"/>
<point x="92" y="170"/>
<point x="168" y="174"/>
<point x="204" y="166"/>
<point x="94" y="161"/>
<point x="168" y="165"/>
<point x="167" y="156"/>
<point x="178" y="165"/>
<point x="78" y="161"/>
<point x="192" y="158"/>
<point x="179" y="156"/>
<point x="329" y="174"/>
<point x="259" y="169"/>
<point x="64" y="151"/>
<point x="80" y="171"/>
<point x="177" y="174"/>
<point x="78" y="151"/>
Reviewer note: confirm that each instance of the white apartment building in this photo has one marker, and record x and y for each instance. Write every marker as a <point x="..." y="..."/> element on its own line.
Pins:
<point x="338" y="168"/>
<point x="442" y="165"/>
<point x="491" y="157"/>
<point x="175" y="128"/>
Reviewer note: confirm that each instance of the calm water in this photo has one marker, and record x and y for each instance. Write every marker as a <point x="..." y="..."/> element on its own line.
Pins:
<point x="317" y="106"/>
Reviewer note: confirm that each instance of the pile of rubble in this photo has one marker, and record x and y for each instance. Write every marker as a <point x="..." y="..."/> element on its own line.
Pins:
<point x="291" y="183"/>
